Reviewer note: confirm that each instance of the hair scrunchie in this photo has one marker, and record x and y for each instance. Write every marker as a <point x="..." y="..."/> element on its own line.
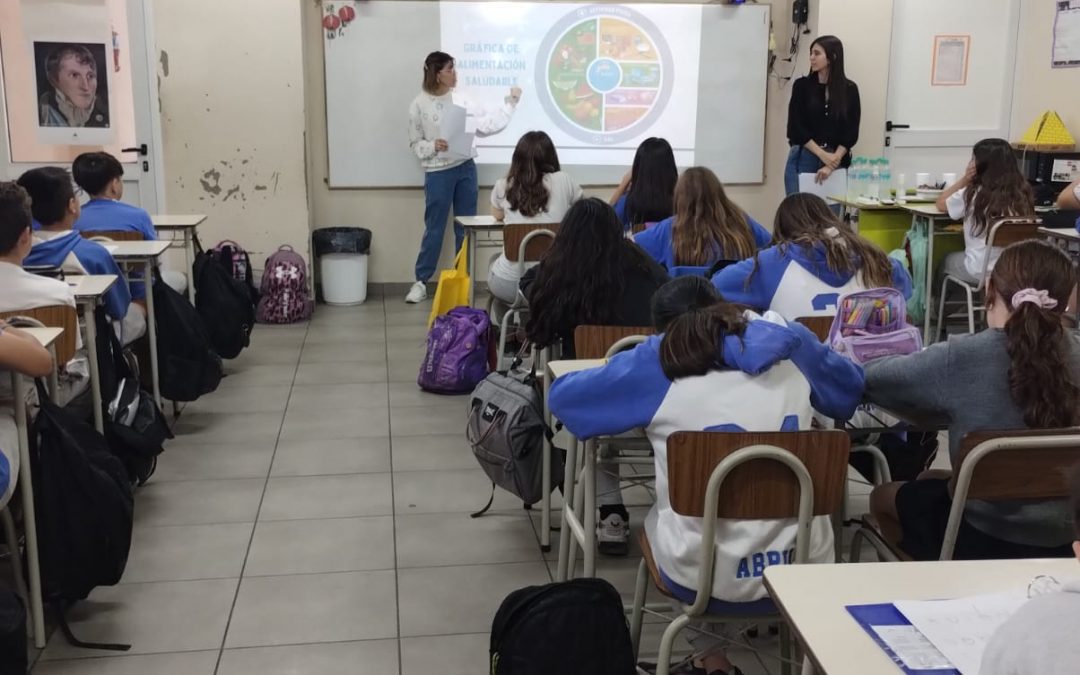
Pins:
<point x="1038" y="298"/>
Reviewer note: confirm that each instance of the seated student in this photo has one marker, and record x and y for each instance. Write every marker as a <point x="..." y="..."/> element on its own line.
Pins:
<point x="100" y="175"/>
<point x="814" y="260"/>
<point x="1020" y="373"/>
<point x="1069" y="199"/>
<point x="23" y="290"/>
<point x="592" y="274"/>
<point x="1041" y="636"/>
<point x="706" y="227"/>
<point x="535" y="190"/>
<point x="991" y="188"/>
<point x="55" y="208"/>
<point x="21" y="353"/>
<point x="714" y="368"/>
<point x="646" y="191"/>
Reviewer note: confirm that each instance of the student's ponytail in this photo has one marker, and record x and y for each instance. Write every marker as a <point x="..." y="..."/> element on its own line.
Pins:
<point x="1035" y="281"/>
<point x="691" y="343"/>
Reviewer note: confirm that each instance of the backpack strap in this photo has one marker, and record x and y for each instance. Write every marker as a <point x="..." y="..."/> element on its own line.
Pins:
<point x="76" y="642"/>
<point x="490" y="501"/>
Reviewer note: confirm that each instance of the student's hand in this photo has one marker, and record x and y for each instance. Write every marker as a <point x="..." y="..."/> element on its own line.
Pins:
<point x="969" y="172"/>
<point x="441" y="145"/>
<point x="515" y="95"/>
<point x="823" y="174"/>
<point x="624" y="184"/>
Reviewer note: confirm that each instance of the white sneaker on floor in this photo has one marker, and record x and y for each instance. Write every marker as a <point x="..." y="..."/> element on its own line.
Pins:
<point x="613" y="535"/>
<point x="417" y="293"/>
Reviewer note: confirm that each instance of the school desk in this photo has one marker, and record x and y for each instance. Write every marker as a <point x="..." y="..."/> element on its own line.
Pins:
<point x="47" y="337"/>
<point x="134" y="254"/>
<point x="936" y="224"/>
<point x="813" y="599"/>
<point x="474" y="226"/>
<point x="186" y="225"/>
<point x="884" y="224"/>
<point x="89" y="289"/>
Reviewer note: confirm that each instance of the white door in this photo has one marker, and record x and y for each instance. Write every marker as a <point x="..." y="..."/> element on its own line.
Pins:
<point x="124" y="119"/>
<point x="950" y="81"/>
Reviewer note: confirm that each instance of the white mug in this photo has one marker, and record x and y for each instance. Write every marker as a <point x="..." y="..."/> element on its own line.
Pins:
<point x="949" y="178"/>
<point x="922" y="179"/>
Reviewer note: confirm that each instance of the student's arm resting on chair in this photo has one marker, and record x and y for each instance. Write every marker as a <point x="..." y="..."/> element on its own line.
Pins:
<point x="621" y="395"/>
<point x="836" y="384"/>
<point x="22" y="353"/>
<point x="916" y="384"/>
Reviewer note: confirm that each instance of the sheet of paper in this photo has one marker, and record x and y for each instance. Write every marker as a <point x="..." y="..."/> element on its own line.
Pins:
<point x="912" y="648"/>
<point x="834" y="186"/>
<point x="961" y="628"/>
<point x="1066" y="51"/>
<point x="453" y="131"/>
<point x="950" y="60"/>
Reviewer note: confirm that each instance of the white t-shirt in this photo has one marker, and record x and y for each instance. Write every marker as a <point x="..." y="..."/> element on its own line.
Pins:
<point x="23" y="290"/>
<point x="562" y="193"/>
<point x="975" y="248"/>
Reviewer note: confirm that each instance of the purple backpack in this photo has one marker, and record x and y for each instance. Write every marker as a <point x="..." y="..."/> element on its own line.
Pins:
<point x="456" y="357"/>
<point x="872" y="324"/>
<point x="284" y="296"/>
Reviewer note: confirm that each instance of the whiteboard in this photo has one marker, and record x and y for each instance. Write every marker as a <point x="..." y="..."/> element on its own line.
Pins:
<point x="373" y="68"/>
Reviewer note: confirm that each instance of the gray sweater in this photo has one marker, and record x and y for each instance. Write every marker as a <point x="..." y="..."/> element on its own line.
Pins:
<point x="1040" y="639"/>
<point x="965" y="383"/>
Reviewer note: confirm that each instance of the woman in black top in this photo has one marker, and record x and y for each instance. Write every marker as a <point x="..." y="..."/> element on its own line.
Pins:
<point x="823" y="116"/>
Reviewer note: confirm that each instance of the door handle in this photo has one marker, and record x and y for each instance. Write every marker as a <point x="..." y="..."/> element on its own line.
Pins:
<point x="890" y="125"/>
<point x="142" y="149"/>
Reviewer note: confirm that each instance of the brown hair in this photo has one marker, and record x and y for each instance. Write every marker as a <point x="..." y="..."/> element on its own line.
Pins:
<point x="707" y="224"/>
<point x="805" y="220"/>
<point x="998" y="189"/>
<point x="434" y="63"/>
<point x="694" y="318"/>
<point x="15" y="216"/>
<point x="81" y="55"/>
<point x="1039" y="378"/>
<point x="534" y="157"/>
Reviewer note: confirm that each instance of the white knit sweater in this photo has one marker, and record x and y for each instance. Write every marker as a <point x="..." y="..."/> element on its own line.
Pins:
<point x="425" y="114"/>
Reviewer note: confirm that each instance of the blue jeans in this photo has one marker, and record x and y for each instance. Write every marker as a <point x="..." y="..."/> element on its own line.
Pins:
<point x="455" y="187"/>
<point x="800" y="160"/>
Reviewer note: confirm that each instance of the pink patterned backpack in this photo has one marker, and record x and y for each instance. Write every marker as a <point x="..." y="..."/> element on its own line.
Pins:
<point x="284" y="295"/>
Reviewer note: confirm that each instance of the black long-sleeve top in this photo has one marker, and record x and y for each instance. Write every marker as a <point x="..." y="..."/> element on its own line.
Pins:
<point x="811" y="117"/>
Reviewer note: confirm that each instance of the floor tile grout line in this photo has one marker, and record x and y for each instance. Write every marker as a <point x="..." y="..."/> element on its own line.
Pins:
<point x="262" y="497"/>
<point x="393" y="498"/>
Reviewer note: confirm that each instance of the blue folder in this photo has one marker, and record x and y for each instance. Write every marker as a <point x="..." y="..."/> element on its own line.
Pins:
<point x="886" y="614"/>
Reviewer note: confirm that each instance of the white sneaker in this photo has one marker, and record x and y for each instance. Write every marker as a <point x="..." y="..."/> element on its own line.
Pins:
<point x="613" y="535"/>
<point x="417" y="293"/>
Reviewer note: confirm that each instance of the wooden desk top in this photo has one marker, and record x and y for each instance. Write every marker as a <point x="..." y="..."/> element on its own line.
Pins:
<point x="46" y="336"/>
<point x="134" y="250"/>
<point x="90" y="286"/>
<point x="164" y="221"/>
<point x="560" y="368"/>
<point x="479" y="222"/>
<point x="814" y="597"/>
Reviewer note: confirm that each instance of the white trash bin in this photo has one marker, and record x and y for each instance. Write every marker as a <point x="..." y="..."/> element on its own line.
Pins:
<point x="344" y="278"/>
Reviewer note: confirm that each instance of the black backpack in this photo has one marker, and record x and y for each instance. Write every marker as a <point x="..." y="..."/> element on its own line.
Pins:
<point x="134" y="426"/>
<point x="14" y="656"/>
<point x="237" y="263"/>
<point x="83" y="505"/>
<point x="575" y="627"/>
<point x="188" y="366"/>
<point x="225" y="304"/>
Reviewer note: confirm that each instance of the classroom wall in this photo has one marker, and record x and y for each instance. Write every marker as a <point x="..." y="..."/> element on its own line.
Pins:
<point x="232" y="92"/>
<point x="1038" y="86"/>
<point x="396" y="216"/>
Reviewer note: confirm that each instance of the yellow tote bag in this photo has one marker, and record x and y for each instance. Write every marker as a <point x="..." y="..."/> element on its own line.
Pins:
<point x="453" y="288"/>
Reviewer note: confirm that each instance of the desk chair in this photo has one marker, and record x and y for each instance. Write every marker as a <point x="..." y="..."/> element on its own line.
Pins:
<point x="1027" y="464"/>
<point x="818" y="325"/>
<point x="111" y="235"/>
<point x="522" y="243"/>
<point x="637" y="228"/>
<point x="743" y="476"/>
<point x="1002" y="233"/>
<point x="54" y="316"/>
<point x="594" y="342"/>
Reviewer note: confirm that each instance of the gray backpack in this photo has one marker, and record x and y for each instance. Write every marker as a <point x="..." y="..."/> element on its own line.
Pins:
<point x="506" y="430"/>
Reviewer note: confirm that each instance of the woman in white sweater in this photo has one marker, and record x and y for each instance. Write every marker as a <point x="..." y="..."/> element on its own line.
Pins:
<point x="535" y="190"/>
<point x="449" y="178"/>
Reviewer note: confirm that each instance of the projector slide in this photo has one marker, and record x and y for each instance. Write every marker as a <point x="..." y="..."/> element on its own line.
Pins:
<point x="598" y="79"/>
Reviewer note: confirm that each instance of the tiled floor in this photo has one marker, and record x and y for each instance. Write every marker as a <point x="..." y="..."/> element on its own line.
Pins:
<point x="311" y="517"/>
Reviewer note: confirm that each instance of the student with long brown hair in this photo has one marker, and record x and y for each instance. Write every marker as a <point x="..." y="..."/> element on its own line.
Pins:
<point x="815" y="258"/>
<point x="1023" y="372"/>
<point x="715" y="367"/>
<point x="707" y="226"/>
<point x="991" y="188"/>
<point x="535" y="190"/>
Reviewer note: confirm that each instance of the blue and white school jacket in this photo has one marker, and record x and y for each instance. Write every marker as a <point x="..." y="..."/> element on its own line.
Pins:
<point x="795" y="281"/>
<point x="778" y="373"/>
<point x="92" y="258"/>
<point x="110" y="214"/>
<point x="657" y="241"/>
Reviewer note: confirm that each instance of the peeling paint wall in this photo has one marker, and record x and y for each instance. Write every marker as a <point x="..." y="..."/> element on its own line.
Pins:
<point x="232" y="117"/>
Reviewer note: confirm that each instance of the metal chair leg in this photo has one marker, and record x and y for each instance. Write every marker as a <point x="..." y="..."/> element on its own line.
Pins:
<point x="667" y="641"/>
<point x="785" y="649"/>
<point x="637" y="615"/>
<point x="11" y="538"/>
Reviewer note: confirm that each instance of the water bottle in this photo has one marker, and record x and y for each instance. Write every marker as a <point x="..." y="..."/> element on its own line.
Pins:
<point x="874" y="191"/>
<point x="855" y="178"/>
<point x="886" y="174"/>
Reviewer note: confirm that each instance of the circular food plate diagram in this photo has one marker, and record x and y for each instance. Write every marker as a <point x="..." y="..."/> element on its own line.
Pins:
<point x="605" y="73"/>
